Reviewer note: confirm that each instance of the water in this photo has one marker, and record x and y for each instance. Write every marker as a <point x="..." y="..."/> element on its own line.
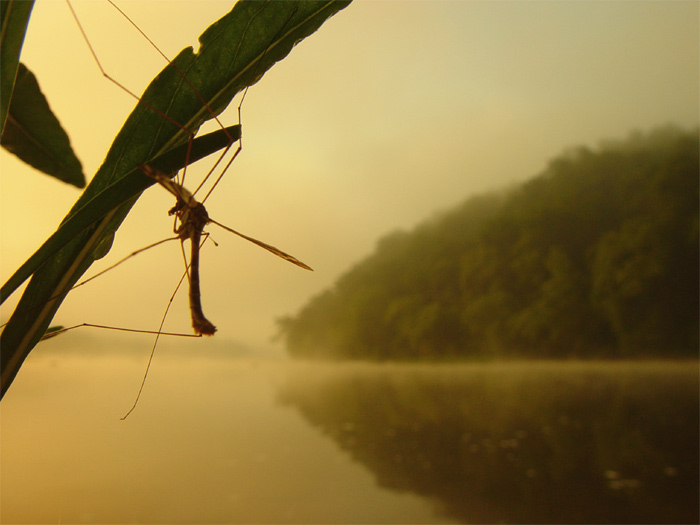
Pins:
<point x="221" y="439"/>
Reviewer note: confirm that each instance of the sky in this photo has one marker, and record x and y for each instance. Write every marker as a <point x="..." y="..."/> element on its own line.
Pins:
<point x="390" y="113"/>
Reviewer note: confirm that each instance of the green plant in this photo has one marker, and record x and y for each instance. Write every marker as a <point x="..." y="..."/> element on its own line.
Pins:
<point x="234" y="53"/>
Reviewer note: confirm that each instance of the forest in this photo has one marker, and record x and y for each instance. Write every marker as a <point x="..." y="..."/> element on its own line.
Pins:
<point x="595" y="257"/>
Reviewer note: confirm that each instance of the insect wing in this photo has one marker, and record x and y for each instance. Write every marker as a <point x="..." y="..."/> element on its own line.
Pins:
<point x="269" y="248"/>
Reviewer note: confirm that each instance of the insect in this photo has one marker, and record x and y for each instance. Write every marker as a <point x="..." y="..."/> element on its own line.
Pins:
<point x="190" y="213"/>
<point x="191" y="223"/>
<point x="193" y="217"/>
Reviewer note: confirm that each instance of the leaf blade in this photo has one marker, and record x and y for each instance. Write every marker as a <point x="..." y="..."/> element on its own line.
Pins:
<point x="146" y="135"/>
<point x="116" y="194"/>
<point x="14" y="17"/>
<point x="34" y="134"/>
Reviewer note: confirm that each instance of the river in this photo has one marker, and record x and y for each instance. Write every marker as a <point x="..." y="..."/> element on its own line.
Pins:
<point x="223" y="439"/>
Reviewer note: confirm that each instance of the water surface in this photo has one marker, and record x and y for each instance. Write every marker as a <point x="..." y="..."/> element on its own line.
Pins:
<point x="221" y="439"/>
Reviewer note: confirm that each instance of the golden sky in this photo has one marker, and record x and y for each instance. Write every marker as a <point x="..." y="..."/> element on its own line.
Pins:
<point x="392" y="111"/>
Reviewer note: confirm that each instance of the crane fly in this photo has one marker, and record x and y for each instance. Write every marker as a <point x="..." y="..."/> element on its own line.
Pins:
<point x="193" y="217"/>
<point x="190" y="214"/>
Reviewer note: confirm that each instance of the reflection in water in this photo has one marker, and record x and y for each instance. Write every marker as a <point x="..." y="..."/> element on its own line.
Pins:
<point x="516" y="443"/>
<point x="224" y="439"/>
<point x="207" y="444"/>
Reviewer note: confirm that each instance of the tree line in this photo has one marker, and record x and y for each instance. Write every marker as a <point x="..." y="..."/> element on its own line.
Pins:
<point x="595" y="257"/>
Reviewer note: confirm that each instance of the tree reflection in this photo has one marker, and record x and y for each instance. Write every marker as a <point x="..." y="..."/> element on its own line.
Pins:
<point x="519" y="443"/>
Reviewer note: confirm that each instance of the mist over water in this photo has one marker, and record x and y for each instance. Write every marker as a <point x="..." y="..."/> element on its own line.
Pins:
<point x="217" y="438"/>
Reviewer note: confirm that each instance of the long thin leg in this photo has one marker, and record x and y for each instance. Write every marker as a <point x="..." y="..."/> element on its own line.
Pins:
<point x="139" y="99"/>
<point x="155" y="343"/>
<point x="81" y="283"/>
<point x="54" y="333"/>
<point x="132" y="254"/>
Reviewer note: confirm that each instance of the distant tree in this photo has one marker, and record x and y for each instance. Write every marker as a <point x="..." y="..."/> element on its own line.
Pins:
<point x="597" y="256"/>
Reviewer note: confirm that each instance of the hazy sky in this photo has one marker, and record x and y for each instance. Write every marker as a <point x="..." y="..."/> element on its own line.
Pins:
<point x="392" y="111"/>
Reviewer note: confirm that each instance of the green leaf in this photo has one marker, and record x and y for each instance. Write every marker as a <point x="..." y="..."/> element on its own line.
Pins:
<point x="234" y="53"/>
<point x="15" y="17"/>
<point x="128" y="187"/>
<point x="34" y="134"/>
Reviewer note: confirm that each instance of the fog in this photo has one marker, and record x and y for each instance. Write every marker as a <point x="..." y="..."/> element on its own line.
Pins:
<point x="389" y="113"/>
<point x="220" y="439"/>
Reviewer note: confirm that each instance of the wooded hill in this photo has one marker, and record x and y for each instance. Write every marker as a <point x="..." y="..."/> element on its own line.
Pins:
<point x="595" y="257"/>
